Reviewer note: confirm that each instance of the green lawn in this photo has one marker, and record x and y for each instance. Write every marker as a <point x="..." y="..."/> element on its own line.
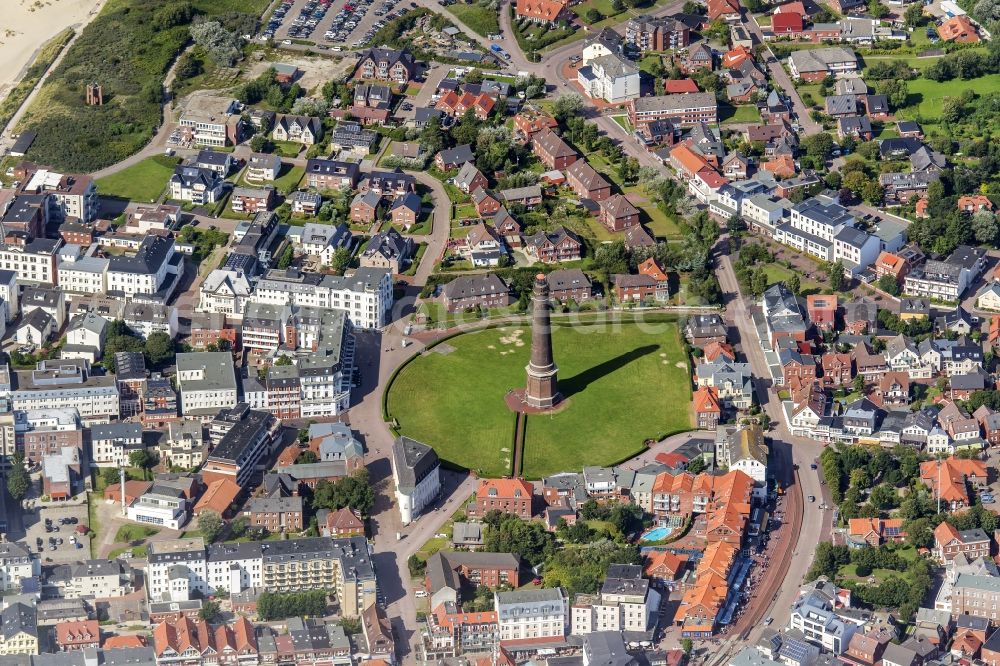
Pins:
<point x="925" y="95"/>
<point x="129" y="533"/>
<point x="289" y="178"/>
<point x="480" y="18"/>
<point x="623" y="123"/>
<point x="143" y="182"/>
<point x="745" y="113"/>
<point x="603" y="6"/>
<point x="601" y="368"/>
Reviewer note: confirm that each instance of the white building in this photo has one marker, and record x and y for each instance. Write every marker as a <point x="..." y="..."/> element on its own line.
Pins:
<point x="67" y="384"/>
<point x="113" y="443"/>
<point x="814" y="616"/>
<point x="224" y="291"/>
<point x="148" y="270"/>
<point x="34" y="262"/>
<point x="147" y="318"/>
<point x="365" y="296"/>
<point x="85" y="275"/>
<point x="609" y="77"/>
<point x="764" y="213"/>
<point x="85" y="337"/>
<point x="742" y="448"/>
<point x="626" y="602"/>
<point x="160" y="507"/>
<point x="206" y="382"/>
<point x="95" y="579"/>
<point x="323" y="240"/>
<point x="531" y="614"/>
<point x="170" y="560"/>
<point x="416" y="471"/>
<point x="16" y="564"/>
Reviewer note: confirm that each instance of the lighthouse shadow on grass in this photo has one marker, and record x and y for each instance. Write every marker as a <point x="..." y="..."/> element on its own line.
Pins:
<point x="580" y="381"/>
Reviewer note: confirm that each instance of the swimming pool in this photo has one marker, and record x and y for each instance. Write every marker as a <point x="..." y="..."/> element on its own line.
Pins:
<point x="656" y="534"/>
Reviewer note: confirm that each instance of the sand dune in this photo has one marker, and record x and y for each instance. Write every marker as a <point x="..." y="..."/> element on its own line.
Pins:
<point x="27" y="24"/>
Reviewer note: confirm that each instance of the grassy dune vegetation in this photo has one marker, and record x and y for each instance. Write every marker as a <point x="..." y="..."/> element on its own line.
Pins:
<point x="128" y="48"/>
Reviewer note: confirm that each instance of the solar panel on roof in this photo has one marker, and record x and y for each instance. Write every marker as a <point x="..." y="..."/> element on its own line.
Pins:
<point x="892" y="531"/>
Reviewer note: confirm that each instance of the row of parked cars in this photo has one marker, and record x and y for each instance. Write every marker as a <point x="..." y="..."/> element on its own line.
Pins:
<point x="309" y="17"/>
<point x="350" y="17"/>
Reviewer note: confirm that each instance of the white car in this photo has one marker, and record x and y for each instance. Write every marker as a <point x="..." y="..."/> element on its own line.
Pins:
<point x="420" y="594"/>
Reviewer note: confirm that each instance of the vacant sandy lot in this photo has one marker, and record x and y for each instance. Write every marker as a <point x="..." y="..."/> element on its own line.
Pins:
<point x="316" y="70"/>
<point x="27" y="24"/>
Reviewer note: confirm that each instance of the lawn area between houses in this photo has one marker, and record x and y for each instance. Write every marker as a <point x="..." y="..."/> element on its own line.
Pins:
<point x="289" y="178"/>
<point x="141" y="182"/>
<point x="744" y="113"/>
<point x="602" y="366"/>
<point x="623" y="123"/>
<point x="925" y="96"/>
<point x="129" y="533"/>
<point x="480" y="18"/>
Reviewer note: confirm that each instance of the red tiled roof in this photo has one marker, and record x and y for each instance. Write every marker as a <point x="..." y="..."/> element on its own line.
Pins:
<point x="504" y="488"/>
<point x="546" y="10"/>
<point x="218" y="496"/>
<point x="786" y="22"/>
<point x="679" y="86"/>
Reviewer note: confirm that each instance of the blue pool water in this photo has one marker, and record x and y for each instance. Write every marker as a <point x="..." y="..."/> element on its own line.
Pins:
<point x="656" y="534"/>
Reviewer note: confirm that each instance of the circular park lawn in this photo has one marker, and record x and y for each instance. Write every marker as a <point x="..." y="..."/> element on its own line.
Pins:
<point x="622" y="382"/>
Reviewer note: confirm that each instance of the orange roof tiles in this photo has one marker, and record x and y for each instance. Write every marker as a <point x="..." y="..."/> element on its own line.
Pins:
<point x="665" y="560"/>
<point x="112" y="642"/>
<point x="958" y="29"/>
<point x="218" y="496"/>
<point x="921" y="208"/>
<point x="973" y="202"/>
<point x="80" y="631"/>
<point x="782" y="166"/>
<point x="652" y="269"/>
<point x="952" y="475"/>
<point x="706" y="400"/>
<point x="714" y="350"/>
<point x="504" y="488"/>
<point x="679" y="86"/>
<point x="545" y="10"/>
<point x="718" y="8"/>
<point x="689" y="161"/>
<point x="735" y="57"/>
<point x="890" y="262"/>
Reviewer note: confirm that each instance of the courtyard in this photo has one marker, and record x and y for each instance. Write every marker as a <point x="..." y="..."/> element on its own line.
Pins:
<point x="623" y="383"/>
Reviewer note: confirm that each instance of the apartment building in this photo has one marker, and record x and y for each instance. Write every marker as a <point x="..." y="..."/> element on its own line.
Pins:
<point x="365" y="297"/>
<point x="17" y="563"/>
<point x="224" y="291"/>
<point x="45" y="432"/>
<point x="69" y="195"/>
<point x="98" y="579"/>
<point x="531" y="618"/>
<point x="814" y="615"/>
<point x="210" y="121"/>
<point x="625" y="602"/>
<point x="66" y="384"/>
<point x="113" y="443"/>
<point x="33" y="261"/>
<point x="207" y="383"/>
<point x="660" y="33"/>
<point x="324" y="174"/>
<point x="684" y="109"/>
<point x="148" y="271"/>
<point x="241" y="437"/>
<point x="949" y="279"/>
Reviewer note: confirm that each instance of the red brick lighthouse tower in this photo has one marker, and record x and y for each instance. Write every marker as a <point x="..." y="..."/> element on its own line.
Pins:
<point x="542" y="392"/>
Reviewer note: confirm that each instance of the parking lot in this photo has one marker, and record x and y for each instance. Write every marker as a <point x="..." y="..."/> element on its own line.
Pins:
<point x="339" y="22"/>
<point x="57" y="541"/>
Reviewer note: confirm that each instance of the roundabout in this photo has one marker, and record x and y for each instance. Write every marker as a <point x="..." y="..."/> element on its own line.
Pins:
<point x="623" y="383"/>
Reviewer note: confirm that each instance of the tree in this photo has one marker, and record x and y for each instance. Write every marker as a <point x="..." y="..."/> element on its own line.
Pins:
<point x="142" y="459"/>
<point x="306" y="458"/>
<point x="793" y="284"/>
<point x="340" y="260"/>
<point x="889" y="285"/>
<point x="283" y="361"/>
<point x="416" y="566"/>
<point x="353" y="492"/>
<point x="914" y="15"/>
<point x="818" y="145"/>
<point x="238" y="526"/>
<point x="835" y="271"/>
<point x="220" y="44"/>
<point x="210" y="525"/>
<point x="109" y="475"/>
<point x="160" y="349"/>
<point x="567" y="106"/>
<point x="697" y="465"/>
<point x="687" y="645"/>
<point x="859" y="383"/>
<point x="285" y="260"/>
<point x="896" y="91"/>
<point x="209" y="610"/>
<point x="984" y="226"/>
<point x="884" y="497"/>
<point x="18" y="481"/>
<point x="611" y="258"/>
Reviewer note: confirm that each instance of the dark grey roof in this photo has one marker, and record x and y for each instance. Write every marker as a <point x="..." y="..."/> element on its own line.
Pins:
<point x="17" y="618"/>
<point x="457" y="155"/>
<point x="148" y="259"/>
<point x="413" y="461"/>
<point x="469" y="286"/>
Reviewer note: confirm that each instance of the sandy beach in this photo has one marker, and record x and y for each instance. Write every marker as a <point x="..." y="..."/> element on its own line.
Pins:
<point x="27" y="24"/>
